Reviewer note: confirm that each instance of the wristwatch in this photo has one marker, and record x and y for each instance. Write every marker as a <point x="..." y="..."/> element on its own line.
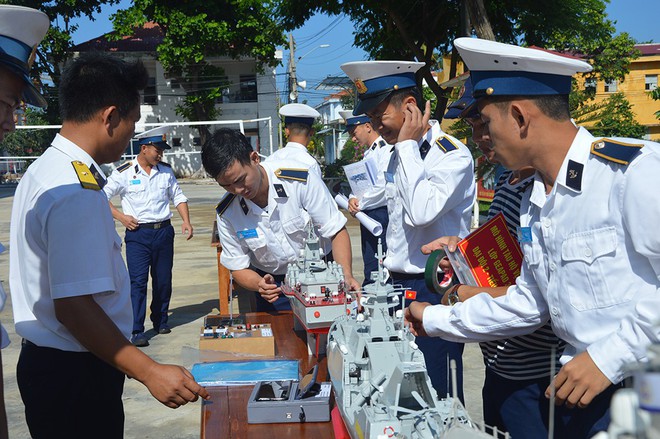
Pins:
<point x="452" y="295"/>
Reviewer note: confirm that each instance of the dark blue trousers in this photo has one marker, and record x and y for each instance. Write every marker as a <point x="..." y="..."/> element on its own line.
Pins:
<point x="521" y="408"/>
<point x="150" y="251"/>
<point x="70" y="394"/>
<point x="370" y="242"/>
<point x="281" y="304"/>
<point x="437" y="352"/>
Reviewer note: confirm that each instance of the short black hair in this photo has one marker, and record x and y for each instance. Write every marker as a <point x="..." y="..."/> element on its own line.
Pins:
<point x="398" y="96"/>
<point x="95" y="81"/>
<point x="556" y="107"/>
<point x="223" y="148"/>
<point x="299" y="129"/>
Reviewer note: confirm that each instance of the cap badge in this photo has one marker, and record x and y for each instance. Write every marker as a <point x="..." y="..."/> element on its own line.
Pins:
<point x="490" y="91"/>
<point x="461" y="93"/>
<point x="32" y="57"/>
<point x="361" y="88"/>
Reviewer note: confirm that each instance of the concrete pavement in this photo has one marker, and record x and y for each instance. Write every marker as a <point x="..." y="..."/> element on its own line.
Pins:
<point x="195" y="295"/>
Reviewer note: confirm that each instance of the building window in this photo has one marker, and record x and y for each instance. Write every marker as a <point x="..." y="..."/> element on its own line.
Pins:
<point x="176" y="141"/>
<point x="225" y="92"/>
<point x="590" y="84"/>
<point x="150" y="94"/>
<point x="610" y="86"/>
<point x="651" y="82"/>
<point x="248" y="88"/>
<point x="197" y="141"/>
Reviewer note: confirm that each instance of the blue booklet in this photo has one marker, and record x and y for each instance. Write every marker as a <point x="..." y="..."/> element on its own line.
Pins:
<point x="228" y="373"/>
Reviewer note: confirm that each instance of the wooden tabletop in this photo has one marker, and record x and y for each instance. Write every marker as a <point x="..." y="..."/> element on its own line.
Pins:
<point x="225" y="415"/>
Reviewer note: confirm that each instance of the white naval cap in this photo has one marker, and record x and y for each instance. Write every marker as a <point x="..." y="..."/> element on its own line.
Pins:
<point x="156" y="136"/>
<point x="498" y="69"/>
<point x="353" y="121"/>
<point x="21" y="31"/>
<point x="376" y="80"/>
<point x="299" y="113"/>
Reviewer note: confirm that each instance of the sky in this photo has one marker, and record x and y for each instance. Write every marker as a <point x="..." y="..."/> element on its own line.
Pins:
<point x="637" y="17"/>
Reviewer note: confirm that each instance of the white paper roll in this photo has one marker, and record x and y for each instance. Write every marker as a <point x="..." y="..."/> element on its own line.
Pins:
<point x="371" y="224"/>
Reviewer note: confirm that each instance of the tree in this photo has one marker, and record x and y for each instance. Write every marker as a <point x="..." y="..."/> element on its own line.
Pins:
<point x="195" y="31"/>
<point x="618" y="119"/>
<point x="391" y="29"/>
<point x="54" y="50"/>
<point x="655" y="94"/>
<point x="28" y="142"/>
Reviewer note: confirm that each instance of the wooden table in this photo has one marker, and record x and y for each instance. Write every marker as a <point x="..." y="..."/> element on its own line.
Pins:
<point x="225" y="415"/>
<point x="223" y="274"/>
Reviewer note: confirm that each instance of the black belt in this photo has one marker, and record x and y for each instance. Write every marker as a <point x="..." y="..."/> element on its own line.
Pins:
<point x="156" y="226"/>
<point x="26" y="342"/>
<point x="406" y="276"/>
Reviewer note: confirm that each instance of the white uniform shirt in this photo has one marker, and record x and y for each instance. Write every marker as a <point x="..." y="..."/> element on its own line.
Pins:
<point x="592" y="265"/>
<point x="145" y="197"/>
<point x="381" y="151"/>
<point x="297" y="152"/>
<point x="280" y="228"/>
<point x="4" y="337"/>
<point x="63" y="243"/>
<point x="428" y="198"/>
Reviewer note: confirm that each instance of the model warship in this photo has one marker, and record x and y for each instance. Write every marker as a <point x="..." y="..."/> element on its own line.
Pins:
<point x="379" y="376"/>
<point x="316" y="289"/>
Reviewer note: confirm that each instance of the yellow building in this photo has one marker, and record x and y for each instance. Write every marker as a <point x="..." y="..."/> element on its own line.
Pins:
<point x="637" y="85"/>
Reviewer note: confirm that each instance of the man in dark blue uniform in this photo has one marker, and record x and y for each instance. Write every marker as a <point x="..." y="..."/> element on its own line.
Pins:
<point x="146" y="186"/>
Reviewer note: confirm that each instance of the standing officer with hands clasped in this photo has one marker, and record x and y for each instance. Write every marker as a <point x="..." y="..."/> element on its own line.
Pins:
<point x="146" y="187"/>
<point x="591" y="263"/>
<point x="69" y="285"/>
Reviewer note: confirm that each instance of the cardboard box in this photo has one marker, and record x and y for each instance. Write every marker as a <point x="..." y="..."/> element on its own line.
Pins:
<point x="246" y="339"/>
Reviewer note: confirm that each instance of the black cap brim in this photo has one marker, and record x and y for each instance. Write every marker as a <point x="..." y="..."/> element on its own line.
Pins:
<point x="30" y="94"/>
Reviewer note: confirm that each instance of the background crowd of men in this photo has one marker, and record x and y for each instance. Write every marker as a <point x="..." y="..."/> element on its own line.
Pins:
<point x="581" y="208"/>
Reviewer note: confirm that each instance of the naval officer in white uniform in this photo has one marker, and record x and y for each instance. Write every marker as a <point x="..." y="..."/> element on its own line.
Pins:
<point x="262" y="218"/>
<point x="591" y="264"/>
<point x="429" y="187"/>
<point x="298" y="121"/>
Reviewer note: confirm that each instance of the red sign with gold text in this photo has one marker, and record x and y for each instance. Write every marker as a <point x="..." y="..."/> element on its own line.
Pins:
<point x="489" y="256"/>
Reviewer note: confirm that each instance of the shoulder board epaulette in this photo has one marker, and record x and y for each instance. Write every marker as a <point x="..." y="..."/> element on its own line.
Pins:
<point x="445" y="144"/>
<point x="615" y="151"/>
<point x="85" y="176"/>
<point x="292" y="174"/>
<point x="124" y="166"/>
<point x="224" y="203"/>
<point x="165" y="164"/>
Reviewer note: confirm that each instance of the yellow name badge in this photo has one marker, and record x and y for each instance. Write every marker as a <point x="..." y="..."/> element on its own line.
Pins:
<point x="85" y="176"/>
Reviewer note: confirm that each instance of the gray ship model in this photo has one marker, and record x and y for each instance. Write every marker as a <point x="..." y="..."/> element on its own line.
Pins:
<point x="379" y="376"/>
<point x="635" y="411"/>
<point x="316" y="289"/>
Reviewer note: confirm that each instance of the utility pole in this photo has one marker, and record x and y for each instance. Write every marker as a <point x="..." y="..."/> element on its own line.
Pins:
<point x="293" y="81"/>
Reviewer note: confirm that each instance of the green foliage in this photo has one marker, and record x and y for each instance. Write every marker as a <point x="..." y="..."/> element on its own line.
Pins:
<point x="618" y="119"/>
<point x="655" y="94"/>
<point x="316" y="146"/>
<point x="197" y="31"/>
<point x="28" y="142"/>
<point x="390" y="29"/>
<point x="352" y="152"/>
<point x="55" y="48"/>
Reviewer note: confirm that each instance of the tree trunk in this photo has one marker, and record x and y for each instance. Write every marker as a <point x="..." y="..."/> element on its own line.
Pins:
<point x="479" y="19"/>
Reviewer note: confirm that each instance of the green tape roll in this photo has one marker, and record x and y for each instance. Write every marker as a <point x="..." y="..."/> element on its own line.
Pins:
<point x="431" y="273"/>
